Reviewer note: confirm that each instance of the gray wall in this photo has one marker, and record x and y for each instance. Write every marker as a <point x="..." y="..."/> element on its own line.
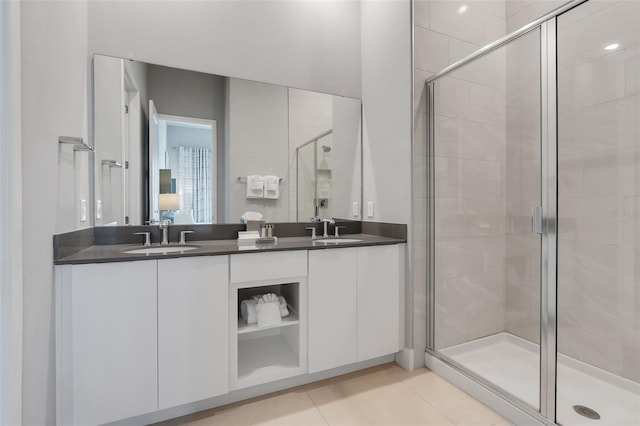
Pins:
<point x="186" y="93"/>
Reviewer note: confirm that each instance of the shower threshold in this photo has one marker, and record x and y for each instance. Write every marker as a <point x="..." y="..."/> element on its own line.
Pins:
<point x="512" y="364"/>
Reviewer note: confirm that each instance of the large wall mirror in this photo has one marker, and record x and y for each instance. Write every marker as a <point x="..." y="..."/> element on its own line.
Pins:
<point x="189" y="147"/>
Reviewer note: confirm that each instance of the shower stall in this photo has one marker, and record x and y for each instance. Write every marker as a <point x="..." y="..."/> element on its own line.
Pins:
<point x="313" y="177"/>
<point x="534" y="218"/>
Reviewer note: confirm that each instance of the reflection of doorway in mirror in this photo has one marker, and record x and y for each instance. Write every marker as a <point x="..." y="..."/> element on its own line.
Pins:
<point x="117" y="136"/>
<point x="187" y="147"/>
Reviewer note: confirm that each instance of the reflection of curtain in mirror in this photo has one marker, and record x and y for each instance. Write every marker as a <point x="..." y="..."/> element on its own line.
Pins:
<point x="192" y="169"/>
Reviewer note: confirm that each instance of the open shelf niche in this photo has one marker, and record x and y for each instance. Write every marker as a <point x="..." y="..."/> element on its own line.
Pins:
<point x="264" y="354"/>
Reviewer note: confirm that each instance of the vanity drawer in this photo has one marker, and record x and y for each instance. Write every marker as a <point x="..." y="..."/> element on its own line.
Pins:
<point x="267" y="266"/>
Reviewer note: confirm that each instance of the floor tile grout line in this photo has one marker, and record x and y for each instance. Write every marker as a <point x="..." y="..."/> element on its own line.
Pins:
<point x="443" y="413"/>
<point x="428" y="403"/>
<point x="317" y="408"/>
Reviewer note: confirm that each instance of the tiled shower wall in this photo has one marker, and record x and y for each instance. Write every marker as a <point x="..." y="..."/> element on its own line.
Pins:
<point x="470" y="201"/>
<point x="599" y="186"/>
<point x="443" y="36"/>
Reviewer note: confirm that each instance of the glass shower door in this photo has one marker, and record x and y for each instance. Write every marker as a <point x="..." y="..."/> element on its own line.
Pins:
<point x="486" y="182"/>
<point x="598" y="336"/>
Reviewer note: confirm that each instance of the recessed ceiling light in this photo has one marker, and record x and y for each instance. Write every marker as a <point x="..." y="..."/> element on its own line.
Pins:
<point x="462" y="9"/>
<point x="612" y="46"/>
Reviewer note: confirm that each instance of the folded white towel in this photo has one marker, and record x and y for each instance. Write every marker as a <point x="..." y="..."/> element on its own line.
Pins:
<point x="246" y="216"/>
<point x="255" y="186"/>
<point x="248" y="311"/>
<point x="272" y="187"/>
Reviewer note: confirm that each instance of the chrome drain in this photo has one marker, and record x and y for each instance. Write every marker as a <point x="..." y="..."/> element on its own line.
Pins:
<point x="586" y="412"/>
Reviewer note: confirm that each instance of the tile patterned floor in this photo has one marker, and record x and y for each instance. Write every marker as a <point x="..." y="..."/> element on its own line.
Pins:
<point x="385" y="395"/>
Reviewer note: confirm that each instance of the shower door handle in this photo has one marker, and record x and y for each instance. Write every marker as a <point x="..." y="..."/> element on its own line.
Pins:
<point x="536" y="220"/>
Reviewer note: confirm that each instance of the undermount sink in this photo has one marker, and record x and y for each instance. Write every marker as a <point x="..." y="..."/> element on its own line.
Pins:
<point x="160" y="249"/>
<point x="338" y="240"/>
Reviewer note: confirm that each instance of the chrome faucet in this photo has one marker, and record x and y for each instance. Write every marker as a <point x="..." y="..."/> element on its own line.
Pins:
<point x="164" y="227"/>
<point x="326" y="222"/>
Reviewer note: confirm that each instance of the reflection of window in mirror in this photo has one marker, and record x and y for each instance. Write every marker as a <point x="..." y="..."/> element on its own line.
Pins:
<point x="189" y="144"/>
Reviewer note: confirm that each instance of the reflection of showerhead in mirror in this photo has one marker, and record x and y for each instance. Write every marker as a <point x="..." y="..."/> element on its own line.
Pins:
<point x="326" y="148"/>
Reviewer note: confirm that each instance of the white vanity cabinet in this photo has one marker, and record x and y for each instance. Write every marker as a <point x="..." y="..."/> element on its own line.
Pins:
<point x="136" y="337"/>
<point x="193" y="332"/>
<point x="354" y="304"/>
<point x="107" y="342"/>
<point x="332" y="308"/>
<point x="380" y="273"/>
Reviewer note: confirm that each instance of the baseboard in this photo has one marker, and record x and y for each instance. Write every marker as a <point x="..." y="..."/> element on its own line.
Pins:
<point x="405" y="359"/>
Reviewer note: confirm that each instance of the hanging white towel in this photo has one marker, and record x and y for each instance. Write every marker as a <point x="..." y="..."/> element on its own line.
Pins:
<point x="255" y="186"/>
<point x="272" y="187"/>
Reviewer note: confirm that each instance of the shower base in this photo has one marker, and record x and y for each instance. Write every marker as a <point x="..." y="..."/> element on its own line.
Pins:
<point x="512" y="364"/>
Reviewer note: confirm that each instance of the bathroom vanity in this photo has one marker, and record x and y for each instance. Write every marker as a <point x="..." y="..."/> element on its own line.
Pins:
<point x="136" y="335"/>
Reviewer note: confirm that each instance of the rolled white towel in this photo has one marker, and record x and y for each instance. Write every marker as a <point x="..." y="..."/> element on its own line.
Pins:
<point x="283" y="307"/>
<point x="248" y="311"/>
<point x="267" y="298"/>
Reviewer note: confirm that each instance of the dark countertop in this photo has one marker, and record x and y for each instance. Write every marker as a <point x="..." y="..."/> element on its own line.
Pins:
<point x="114" y="252"/>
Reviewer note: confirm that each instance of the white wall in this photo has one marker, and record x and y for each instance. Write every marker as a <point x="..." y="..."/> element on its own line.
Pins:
<point x="346" y="153"/>
<point x="310" y="45"/>
<point x="387" y="126"/>
<point x="108" y="137"/>
<point x="194" y="137"/>
<point x="10" y="217"/>
<point x="54" y="103"/>
<point x="519" y="13"/>
<point x="257" y="145"/>
<point x="386" y="98"/>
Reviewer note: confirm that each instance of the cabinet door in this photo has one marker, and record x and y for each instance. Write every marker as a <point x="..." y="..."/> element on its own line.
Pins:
<point x="193" y="330"/>
<point x="379" y="273"/>
<point x="114" y="341"/>
<point x="332" y="308"/>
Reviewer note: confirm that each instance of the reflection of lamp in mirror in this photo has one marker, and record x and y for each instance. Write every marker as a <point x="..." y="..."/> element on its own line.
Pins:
<point x="167" y="203"/>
